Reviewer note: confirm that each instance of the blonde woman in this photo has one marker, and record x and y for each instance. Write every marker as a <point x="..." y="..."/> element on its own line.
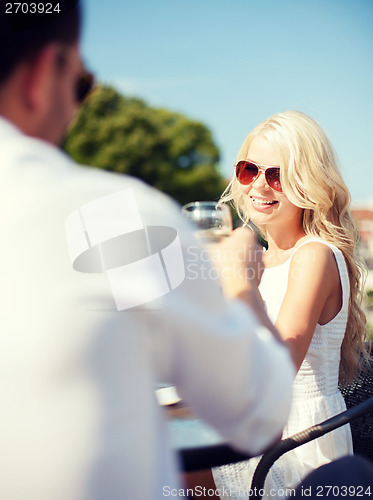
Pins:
<point x="287" y="183"/>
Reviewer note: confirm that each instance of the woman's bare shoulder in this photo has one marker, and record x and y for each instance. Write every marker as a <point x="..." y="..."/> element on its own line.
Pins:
<point x="314" y="260"/>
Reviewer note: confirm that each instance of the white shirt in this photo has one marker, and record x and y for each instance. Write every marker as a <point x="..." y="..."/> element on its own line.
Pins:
<point x="79" y="419"/>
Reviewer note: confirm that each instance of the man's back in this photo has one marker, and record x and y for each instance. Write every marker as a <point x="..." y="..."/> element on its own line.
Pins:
<point x="68" y="354"/>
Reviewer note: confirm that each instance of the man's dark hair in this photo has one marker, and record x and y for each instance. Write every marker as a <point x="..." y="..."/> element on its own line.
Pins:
<point x="23" y="34"/>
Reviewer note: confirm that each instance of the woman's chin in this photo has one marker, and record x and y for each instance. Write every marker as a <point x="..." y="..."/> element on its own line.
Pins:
<point x="259" y="219"/>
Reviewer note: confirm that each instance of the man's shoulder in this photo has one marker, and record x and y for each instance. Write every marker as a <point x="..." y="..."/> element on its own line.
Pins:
<point x="93" y="183"/>
<point x="36" y="165"/>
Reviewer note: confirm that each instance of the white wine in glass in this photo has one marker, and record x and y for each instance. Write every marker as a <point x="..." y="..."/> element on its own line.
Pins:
<point x="213" y="220"/>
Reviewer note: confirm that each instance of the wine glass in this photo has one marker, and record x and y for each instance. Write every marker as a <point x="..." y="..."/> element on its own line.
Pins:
<point x="213" y="220"/>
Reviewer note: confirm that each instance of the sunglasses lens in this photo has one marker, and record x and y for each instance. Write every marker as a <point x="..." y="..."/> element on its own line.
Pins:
<point x="273" y="178"/>
<point x="83" y="86"/>
<point x="246" y="172"/>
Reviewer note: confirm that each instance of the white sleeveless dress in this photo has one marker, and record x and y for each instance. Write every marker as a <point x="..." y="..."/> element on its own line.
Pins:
<point x="315" y="396"/>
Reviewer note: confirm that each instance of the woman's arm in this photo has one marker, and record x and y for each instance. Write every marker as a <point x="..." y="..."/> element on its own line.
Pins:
<point x="241" y="266"/>
<point x="314" y="295"/>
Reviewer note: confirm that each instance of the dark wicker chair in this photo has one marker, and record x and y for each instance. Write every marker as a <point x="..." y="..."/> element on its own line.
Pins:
<point x="359" y="402"/>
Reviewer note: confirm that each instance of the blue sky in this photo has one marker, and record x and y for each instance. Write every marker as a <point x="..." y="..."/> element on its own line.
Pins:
<point x="233" y="63"/>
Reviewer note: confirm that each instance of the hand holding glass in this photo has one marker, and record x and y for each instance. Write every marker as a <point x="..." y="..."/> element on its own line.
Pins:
<point x="213" y="220"/>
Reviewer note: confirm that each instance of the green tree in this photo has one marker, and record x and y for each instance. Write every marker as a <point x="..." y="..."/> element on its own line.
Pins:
<point x="165" y="149"/>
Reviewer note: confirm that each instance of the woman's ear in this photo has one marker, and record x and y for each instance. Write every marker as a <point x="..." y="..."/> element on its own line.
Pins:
<point x="39" y="78"/>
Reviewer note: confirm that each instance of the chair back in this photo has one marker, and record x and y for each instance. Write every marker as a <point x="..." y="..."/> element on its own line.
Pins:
<point x="361" y="428"/>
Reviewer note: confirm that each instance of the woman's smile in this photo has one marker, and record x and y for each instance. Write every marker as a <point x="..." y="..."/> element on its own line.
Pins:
<point x="262" y="204"/>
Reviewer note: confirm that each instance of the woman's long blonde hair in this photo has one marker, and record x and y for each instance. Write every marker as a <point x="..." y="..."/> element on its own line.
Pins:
<point x="311" y="180"/>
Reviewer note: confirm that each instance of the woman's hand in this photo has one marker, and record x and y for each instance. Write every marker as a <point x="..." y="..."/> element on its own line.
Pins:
<point x="240" y="265"/>
<point x="238" y="260"/>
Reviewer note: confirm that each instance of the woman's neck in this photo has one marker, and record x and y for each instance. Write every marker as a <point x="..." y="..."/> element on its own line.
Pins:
<point x="284" y="239"/>
<point x="281" y="245"/>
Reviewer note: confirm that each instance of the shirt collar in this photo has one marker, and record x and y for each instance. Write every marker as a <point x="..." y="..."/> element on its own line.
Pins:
<point x="8" y="127"/>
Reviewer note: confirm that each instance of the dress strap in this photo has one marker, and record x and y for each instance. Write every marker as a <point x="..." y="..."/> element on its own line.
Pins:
<point x="341" y="264"/>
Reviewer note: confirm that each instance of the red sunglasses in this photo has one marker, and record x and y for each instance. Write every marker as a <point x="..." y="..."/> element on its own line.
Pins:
<point x="247" y="172"/>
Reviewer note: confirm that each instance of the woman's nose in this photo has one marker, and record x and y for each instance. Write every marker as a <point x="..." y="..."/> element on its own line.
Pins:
<point x="260" y="182"/>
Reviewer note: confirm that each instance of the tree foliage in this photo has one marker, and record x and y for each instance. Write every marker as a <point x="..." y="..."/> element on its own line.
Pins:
<point x="165" y="149"/>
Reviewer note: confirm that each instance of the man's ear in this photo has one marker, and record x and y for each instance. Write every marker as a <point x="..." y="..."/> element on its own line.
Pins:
<point x="39" y="78"/>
